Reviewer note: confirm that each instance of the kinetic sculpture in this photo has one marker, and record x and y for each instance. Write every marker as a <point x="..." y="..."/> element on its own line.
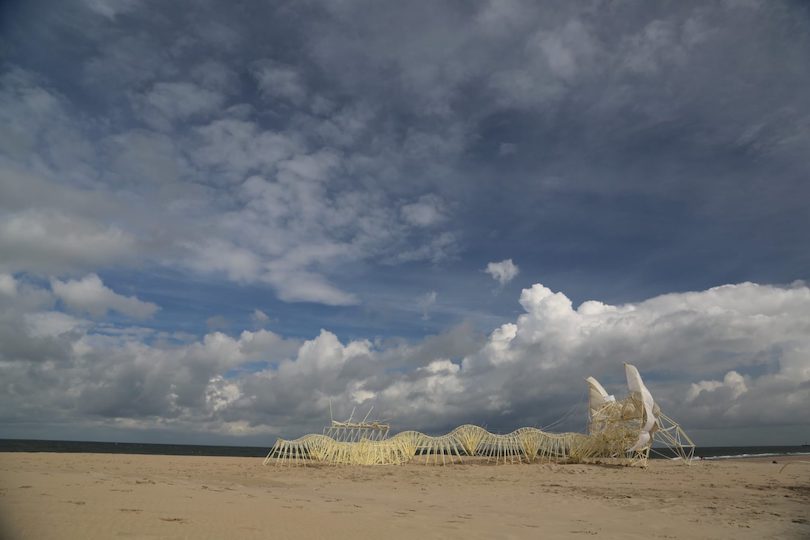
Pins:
<point x="349" y="431"/>
<point x="620" y="431"/>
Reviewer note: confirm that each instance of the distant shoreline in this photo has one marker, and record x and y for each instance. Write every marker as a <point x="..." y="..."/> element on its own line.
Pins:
<point x="707" y="453"/>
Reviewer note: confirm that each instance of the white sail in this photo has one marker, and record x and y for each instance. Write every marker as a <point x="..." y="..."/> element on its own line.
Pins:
<point x="636" y="386"/>
<point x="597" y="397"/>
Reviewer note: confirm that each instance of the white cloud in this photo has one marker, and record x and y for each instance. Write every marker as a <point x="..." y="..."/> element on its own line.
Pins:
<point x="168" y="102"/>
<point x="441" y="366"/>
<point x="316" y="166"/>
<point x="503" y="272"/>
<point x="215" y="255"/>
<point x="226" y="197"/>
<point x="259" y="317"/>
<point x="220" y="393"/>
<point x="140" y="158"/>
<point x="292" y="226"/>
<point x="426" y="303"/>
<point x="567" y="49"/>
<point x="438" y="249"/>
<point x="8" y="285"/>
<point x="90" y="295"/>
<point x="733" y="381"/>
<point x="718" y="359"/>
<point x="298" y="285"/>
<point x="47" y="242"/>
<point x="53" y="323"/>
<point x="427" y="211"/>
<point x="236" y="147"/>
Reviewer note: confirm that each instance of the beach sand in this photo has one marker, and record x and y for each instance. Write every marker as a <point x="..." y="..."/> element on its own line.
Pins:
<point x="90" y="496"/>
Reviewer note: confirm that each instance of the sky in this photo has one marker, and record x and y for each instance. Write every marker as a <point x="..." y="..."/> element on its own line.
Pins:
<point x="217" y="218"/>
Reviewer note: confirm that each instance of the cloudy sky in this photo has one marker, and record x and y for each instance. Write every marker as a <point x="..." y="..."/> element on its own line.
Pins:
<point x="217" y="217"/>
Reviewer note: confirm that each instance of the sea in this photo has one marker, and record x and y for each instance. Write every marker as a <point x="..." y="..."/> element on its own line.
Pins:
<point x="95" y="447"/>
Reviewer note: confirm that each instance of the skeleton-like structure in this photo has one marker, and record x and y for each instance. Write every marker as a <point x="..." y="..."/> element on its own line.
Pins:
<point x="349" y="431"/>
<point x="619" y="431"/>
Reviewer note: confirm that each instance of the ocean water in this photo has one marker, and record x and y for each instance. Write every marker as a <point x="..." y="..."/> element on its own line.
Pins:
<point x="728" y="452"/>
<point x="93" y="447"/>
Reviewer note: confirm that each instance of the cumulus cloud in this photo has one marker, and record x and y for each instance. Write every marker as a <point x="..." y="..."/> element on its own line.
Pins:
<point x="528" y="368"/>
<point x="503" y="272"/>
<point x="733" y="382"/>
<point x="717" y="359"/>
<point x="90" y="295"/>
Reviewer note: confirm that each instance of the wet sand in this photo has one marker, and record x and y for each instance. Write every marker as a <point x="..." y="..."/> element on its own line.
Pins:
<point x="89" y="496"/>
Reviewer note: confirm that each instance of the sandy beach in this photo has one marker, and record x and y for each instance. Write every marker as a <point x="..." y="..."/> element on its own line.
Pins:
<point x="88" y="496"/>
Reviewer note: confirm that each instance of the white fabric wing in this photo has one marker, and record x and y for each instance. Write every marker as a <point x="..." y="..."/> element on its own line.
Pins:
<point x="635" y="384"/>
<point x="597" y="396"/>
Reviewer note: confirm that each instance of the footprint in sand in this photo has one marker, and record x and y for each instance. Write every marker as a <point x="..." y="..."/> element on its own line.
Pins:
<point x="174" y="519"/>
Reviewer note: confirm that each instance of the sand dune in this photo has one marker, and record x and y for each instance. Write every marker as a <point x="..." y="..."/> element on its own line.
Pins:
<point x="127" y="496"/>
